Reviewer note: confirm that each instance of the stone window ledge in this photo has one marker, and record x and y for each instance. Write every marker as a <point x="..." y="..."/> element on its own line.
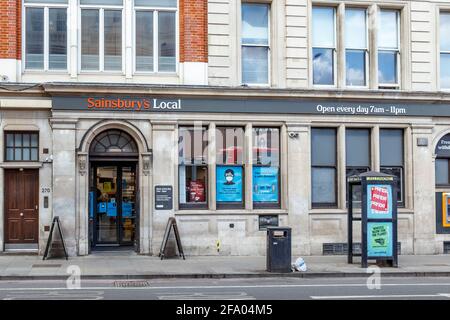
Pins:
<point x="18" y="165"/>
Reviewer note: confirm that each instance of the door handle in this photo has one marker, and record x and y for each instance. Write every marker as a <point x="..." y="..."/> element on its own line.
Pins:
<point x="21" y="214"/>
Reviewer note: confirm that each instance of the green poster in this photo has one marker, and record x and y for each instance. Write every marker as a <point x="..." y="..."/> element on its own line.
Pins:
<point x="379" y="239"/>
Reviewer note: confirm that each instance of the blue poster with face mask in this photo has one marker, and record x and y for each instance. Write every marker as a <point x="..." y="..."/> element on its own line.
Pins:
<point x="265" y="184"/>
<point x="228" y="184"/>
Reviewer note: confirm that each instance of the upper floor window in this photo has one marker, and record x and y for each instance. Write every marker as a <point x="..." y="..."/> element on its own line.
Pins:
<point x="255" y="43"/>
<point x="324" y="45"/>
<point x="356" y="47"/>
<point x="388" y="48"/>
<point x="21" y="146"/>
<point x="445" y="50"/>
<point x="46" y="34"/>
<point x="101" y="35"/>
<point x="155" y="25"/>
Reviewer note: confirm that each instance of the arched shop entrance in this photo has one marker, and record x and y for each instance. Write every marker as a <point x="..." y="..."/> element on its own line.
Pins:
<point x="113" y="185"/>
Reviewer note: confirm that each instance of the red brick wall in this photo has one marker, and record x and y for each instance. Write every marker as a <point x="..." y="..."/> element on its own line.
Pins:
<point x="193" y="30"/>
<point x="10" y="29"/>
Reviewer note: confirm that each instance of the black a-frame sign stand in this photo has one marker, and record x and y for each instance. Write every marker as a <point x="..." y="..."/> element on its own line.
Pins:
<point x="50" y="238"/>
<point x="172" y="223"/>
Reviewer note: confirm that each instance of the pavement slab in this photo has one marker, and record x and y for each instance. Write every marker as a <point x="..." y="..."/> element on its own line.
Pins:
<point x="131" y="265"/>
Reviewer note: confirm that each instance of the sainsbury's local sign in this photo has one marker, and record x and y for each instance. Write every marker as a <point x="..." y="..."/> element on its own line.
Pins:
<point x="256" y="105"/>
<point x="132" y="104"/>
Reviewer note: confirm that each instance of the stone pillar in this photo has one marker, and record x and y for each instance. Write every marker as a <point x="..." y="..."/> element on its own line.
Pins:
<point x="299" y="168"/>
<point x="146" y="201"/>
<point x="83" y="202"/>
<point x="424" y="215"/>
<point x="164" y="147"/>
<point x="64" y="180"/>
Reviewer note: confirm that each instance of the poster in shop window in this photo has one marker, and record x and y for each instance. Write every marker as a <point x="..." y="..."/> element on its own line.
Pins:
<point x="265" y="184"/>
<point x="229" y="184"/>
<point x="379" y="201"/>
<point x="196" y="191"/>
<point x="379" y="239"/>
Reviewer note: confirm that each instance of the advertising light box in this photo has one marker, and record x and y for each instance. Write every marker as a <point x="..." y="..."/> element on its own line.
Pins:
<point x="379" y="239"/>
<point x="379" y="204"/>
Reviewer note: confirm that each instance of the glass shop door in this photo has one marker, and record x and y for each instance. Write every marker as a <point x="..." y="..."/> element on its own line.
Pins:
<point x="114" y="205"/>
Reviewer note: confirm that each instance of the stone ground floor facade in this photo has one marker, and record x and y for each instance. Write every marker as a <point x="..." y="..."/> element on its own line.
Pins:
<point x="231" y="161"/>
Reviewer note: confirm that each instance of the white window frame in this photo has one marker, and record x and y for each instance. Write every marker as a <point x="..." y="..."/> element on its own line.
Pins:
<point x="156" y="11"/>
<point x="397" y="50"/>
<point x="438" y="45"/>
<point x="334" y="49"/>
<point x="101" y="9"/>
<point x="46" y="7"/>
<point x="268" y="46"/>
<point x="365" y="49"/>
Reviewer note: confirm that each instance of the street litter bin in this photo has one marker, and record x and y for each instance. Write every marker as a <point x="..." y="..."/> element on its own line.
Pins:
<point x="278" y="256"/>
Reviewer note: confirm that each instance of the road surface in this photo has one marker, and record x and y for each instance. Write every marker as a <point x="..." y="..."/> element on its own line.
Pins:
<point x="230" y="289"/>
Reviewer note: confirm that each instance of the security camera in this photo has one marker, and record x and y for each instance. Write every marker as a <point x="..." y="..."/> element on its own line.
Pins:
<point x="293" y="134"/>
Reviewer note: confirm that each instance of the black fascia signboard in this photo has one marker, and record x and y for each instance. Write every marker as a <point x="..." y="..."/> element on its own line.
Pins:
<point x="378" y="218"/>
<point x="142" y="103"/>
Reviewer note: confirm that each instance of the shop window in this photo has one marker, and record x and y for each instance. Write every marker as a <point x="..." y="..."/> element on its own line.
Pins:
<point x="388" y="48"/>
<point x="266" y="167"/>
<point x="392" y="158"/>
<point x="45" y="35"/>
<point x="324" y="45"/>
<point x="193" y="168"/>
<point x="445" y="50"/>
<point x="442" y="162"/>
<point x="230" y="167"/>
<point x="101" y="35"/>
<point x="356" y="47"/>
<point x="113" y="142"/>
<point x="442" y="172"/>
<point x="155" y="36"/>
<point x="255" y="43"/>
<point x="323" y="167"/>
<point x="357" y="154"/>
<point x="21" y="146"/>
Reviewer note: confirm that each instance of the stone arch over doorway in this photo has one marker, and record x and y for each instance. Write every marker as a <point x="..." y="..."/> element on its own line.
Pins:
<point x="122" y="139"/>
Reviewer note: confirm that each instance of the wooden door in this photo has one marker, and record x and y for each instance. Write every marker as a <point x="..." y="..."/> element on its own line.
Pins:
<point x="21" y="206"/>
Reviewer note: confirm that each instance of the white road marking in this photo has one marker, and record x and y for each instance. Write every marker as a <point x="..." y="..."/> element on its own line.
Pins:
<point x="54" y="295"/>
<point x="392" y="296"/>
<point x="236" y="286"/>
<point x="207" y="296"/>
